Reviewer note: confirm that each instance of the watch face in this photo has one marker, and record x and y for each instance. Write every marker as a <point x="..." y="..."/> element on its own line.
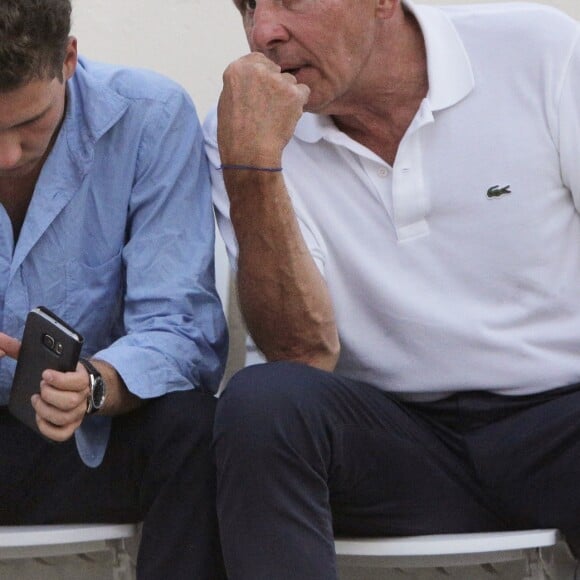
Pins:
<point x="98" y="393"/>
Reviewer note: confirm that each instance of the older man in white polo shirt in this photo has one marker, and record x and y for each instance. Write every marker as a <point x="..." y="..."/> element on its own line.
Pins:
<point x="408" y="259"/>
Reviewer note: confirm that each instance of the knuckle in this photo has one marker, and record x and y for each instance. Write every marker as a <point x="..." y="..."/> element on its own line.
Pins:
<point x="74" y="401"/>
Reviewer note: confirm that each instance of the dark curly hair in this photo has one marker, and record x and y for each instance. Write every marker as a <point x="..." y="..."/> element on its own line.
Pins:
<point x="33" y="39"/>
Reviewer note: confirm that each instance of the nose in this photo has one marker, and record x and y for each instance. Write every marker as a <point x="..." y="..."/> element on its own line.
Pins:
<point x="267" y="28"/>
<point x="10" y="150"/>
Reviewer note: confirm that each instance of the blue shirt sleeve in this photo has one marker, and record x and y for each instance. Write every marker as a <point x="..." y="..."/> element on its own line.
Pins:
<point x="173" y="336"/>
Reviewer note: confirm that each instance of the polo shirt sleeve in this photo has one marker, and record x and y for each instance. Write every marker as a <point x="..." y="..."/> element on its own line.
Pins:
<point x="220" y="197"/>
<point x="569" y="121"/>
<point x="222" y="205"/>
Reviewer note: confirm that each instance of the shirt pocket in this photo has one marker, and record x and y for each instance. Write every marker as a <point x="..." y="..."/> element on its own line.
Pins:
<point x="95" y="298"/>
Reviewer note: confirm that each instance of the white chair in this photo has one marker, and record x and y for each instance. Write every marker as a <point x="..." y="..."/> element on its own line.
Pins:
<point x="531" y="554"/>
<point x="47" y="541"/>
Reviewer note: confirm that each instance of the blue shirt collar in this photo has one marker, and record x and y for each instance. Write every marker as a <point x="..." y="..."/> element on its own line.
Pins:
<point x="92" y="109"/>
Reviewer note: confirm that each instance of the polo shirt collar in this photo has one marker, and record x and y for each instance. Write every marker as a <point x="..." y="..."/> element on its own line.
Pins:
<point x="448" y="69"/>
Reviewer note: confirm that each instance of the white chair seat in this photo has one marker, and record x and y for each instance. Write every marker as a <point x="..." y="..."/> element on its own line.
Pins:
<point x="57" y="540"/>
<point x="455" y="550"/>
<point x="446" y="544"/>
<point x="46" y="541"/>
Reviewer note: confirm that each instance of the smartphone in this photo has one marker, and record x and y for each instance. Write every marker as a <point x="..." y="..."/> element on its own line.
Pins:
<point x="47" y="343"/>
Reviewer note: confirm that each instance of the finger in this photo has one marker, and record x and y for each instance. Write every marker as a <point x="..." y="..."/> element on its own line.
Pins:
<point x="9" y="346"/>
<point x="289" y="78"/>
<point x="77" y="380"/>
<point x="56" y="433"/>
<point x="304" y="92"/>
<point x="302" y="89"/>
<point x="55" y="417"/>
<point x="61" y="399"/>
<point x="259" y="58"/>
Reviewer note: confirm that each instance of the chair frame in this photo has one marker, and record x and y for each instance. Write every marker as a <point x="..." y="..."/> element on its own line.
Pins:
<point x="17" y="542"/>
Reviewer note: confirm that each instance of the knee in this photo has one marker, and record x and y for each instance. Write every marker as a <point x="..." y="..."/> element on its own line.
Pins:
<point x="264" y="391"/>
<point x="269" y="402"/>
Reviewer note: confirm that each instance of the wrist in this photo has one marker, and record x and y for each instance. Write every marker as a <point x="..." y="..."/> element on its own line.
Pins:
<point x="239" y="167"/>
<point x="97" y="388"/>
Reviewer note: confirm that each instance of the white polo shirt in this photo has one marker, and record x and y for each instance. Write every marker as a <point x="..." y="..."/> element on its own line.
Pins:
<point x="458" y="267"/>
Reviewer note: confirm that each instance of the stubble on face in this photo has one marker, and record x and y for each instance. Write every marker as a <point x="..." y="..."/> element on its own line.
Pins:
<point x="327" y="46"/>
<point x="30" y="117"/>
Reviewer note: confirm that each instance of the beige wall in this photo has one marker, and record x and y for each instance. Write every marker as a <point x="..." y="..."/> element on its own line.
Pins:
<point x="189" y="40"/>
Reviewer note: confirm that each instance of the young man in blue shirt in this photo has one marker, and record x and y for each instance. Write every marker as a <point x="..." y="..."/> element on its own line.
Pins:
<point x="106" y="219"/>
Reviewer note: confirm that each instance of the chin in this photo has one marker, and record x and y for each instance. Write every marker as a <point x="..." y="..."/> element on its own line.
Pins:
<point x="318" y="106"/>
<point x="21" y="171"/>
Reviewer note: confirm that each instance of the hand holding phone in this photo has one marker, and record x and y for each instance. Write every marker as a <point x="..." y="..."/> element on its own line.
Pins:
<point x="47" y="343"/>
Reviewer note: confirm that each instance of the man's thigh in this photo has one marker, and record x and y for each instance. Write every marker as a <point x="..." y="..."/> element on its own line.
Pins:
<point x="394" y="473"/>
<point x="45" y="482"/>
<point x="529" y="460"/>
<point x="384" y="468"/>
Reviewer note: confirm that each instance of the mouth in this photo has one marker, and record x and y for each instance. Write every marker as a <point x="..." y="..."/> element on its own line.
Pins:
<point x="293" y="70"/>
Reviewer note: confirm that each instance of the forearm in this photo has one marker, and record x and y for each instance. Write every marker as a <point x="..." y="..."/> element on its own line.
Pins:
<point x="283" y="297"/>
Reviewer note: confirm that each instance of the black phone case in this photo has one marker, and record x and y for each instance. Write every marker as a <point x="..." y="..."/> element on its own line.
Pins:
<point x="47" y="343"/>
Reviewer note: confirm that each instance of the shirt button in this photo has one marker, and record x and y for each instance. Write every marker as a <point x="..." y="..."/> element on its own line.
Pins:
<point x="383" y="172"/>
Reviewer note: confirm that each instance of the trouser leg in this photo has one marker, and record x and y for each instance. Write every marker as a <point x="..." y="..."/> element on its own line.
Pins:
<point x="528" y="457"/>
<point x="300" y="452"/>
<point x="180" y="539"/>
<point x="158" y="469"/>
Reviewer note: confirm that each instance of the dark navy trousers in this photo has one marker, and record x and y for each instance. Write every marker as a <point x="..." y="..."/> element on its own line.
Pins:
<point x="303" y="455"/>
<point x="158" y="469"/>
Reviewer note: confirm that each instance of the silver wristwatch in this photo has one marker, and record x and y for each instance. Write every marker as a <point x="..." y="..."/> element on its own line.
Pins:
<point x="97" y="388"/>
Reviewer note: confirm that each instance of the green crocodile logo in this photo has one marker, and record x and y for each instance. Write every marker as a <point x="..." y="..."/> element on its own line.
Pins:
<point x="496" y="191"/>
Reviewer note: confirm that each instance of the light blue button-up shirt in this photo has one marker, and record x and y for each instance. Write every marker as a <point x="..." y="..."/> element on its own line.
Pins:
<point x="119" y="240"/>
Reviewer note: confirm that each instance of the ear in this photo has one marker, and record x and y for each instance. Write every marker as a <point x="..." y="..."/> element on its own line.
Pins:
<point x="386" y="8"/>
<point x="70" y="59"/>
